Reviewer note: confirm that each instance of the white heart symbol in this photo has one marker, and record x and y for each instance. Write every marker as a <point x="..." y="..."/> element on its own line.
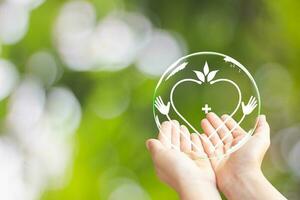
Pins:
<point x="201" y="77"/>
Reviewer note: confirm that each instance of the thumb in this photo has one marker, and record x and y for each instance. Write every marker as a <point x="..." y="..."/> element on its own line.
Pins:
<point x="262" y="130"/>
<point x="154" y="145"/>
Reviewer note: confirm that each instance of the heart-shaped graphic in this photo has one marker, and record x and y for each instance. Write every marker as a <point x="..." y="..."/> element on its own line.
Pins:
<point x="194" y="101"/>
<point x="206" y="76"/>
<point x="204" y="79"/>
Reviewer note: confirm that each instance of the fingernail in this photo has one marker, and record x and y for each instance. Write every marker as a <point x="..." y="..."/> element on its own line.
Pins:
<point x="203" y="120"/>
<point x="165" y="123"/>
<point x="224" y="116"/>
<point x="263" y="117"/>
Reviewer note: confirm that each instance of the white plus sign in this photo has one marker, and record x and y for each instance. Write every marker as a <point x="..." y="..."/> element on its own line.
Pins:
<point x="206" y="108"/>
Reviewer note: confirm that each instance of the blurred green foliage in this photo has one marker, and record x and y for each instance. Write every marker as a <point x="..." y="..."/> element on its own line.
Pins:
<point x="254" y="32"/>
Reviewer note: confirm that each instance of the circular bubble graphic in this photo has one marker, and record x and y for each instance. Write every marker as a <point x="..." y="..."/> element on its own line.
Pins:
<point x="211" y="94"/>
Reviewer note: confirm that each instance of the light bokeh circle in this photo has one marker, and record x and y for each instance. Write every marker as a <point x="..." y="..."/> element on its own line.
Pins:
<point x="204" y="82"/>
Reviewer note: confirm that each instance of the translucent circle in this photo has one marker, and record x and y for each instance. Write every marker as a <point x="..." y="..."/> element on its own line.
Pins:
<point x="209" y="82"/>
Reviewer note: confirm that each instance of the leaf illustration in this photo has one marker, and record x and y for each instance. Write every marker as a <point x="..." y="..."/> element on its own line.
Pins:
<point x="206" y="69"/>
<point x="200" y="76"/>
<point x="211" y="75"/>
<point x="177" y="69"/>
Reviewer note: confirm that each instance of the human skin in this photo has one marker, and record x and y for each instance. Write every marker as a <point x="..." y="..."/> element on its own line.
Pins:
<point x="239" y="174"/>
<point x="181" y="165"/>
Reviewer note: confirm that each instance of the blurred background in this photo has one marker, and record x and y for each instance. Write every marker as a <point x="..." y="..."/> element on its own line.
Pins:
<point x="77" y="79"/>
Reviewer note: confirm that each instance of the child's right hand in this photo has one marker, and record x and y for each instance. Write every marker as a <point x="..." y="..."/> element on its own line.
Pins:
<point x="241" y="168"/>
<point x="247" y="159"/>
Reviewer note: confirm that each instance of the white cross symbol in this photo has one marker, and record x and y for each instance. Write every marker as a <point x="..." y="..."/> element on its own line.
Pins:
<point x="206" y="108"/>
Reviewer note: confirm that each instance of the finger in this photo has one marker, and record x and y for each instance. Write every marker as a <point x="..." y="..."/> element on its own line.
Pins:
<point x="263" y="129"/>
<point x="185" y="142"/>
<point x="217" y="123"/>
<point x="160" y="98"/>
<point x="254" y="106"/>
<point x="175" y="134"/>
<point x="161" y="101"/>
<point x="208" y="148"/>
<point x="233" y="126"/>
<point x="238" y="139"/>
<point x="254" y="101"/>
<point x="210" y="131"/>
<point x="164" y="135"/>
<point x="157" y="99"/>
<point x="154" y="146"/>
<point x="156" y="106"/>
<point x="197" y="145"/>
<point x="250" y="99"/>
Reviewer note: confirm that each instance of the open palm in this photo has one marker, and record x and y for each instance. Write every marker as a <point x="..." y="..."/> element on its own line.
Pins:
<point x="176" y="161"/>
<point x="247" y="158"/>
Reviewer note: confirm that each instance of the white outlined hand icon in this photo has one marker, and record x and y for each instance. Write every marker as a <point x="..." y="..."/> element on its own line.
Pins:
<point x="159" y="104"/>
<point x="247" y="109"/>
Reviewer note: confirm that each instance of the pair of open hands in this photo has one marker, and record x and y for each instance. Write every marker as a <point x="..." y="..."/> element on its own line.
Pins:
<point x="181" y="165"/>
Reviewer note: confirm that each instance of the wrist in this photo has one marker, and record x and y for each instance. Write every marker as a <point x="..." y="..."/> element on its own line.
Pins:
<point x="199" y="190"/>
<point x="188" y="192"/>
<point x="251" y="186"/>
<point x="227" y="178"/>
<point x="231" y="187"/>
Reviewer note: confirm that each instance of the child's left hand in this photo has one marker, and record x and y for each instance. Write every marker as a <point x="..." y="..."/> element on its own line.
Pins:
<point x="179" y="164"/>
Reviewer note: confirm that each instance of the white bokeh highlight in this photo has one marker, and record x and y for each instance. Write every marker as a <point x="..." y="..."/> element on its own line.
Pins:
<point x="72" y="32"/>
<point x="285" y="150"/>
<point x="14" y="19"/>
<point x="40" y="125"/>
<point x="8" y="78"/>
<point x="12" y="181"/>
<point x="162" y="49"/>
<point x="13" y="22"/>
<point x="125" y="190"/>
<point x="113" y="43"/>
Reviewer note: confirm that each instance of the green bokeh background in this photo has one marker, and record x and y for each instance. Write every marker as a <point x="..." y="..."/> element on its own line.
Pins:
<point x="253" y="32"/>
